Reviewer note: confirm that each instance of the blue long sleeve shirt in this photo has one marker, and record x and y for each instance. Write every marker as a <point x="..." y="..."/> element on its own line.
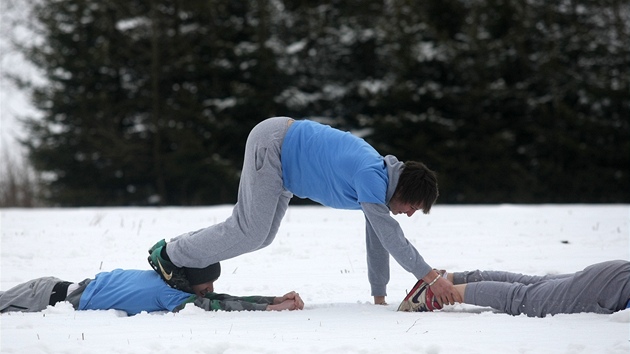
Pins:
<point x="340" y="170"/>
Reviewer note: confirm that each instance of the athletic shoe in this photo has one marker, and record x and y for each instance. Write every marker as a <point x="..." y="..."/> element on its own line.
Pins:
<point x="161" y="243"/>
<point x="171" y="274"/>
<point x="420" y="299"/>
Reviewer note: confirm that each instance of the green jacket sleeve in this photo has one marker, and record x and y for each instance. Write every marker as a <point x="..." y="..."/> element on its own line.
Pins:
<point x="225" y="302"/>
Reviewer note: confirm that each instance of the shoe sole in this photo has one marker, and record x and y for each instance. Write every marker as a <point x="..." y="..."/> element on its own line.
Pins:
<point x="405" y="304"/>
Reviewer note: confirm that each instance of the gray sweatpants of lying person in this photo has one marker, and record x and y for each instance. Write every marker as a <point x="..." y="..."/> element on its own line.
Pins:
<point x="31" y="296"/>
<point x="35" y="295"/>
<point x="599" y="288"/>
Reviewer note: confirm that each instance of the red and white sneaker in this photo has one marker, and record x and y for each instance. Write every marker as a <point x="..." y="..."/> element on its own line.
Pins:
<point x="420" y="299"/>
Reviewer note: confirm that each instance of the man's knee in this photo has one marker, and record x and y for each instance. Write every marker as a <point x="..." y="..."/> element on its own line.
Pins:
<point x="267" y="241"/>
<point x="259" y="240"/>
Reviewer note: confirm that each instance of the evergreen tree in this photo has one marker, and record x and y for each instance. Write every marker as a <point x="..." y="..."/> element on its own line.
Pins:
<point x="510" y="101"/>
<point x="521" y="102"/>
<point x="148" y="102"/>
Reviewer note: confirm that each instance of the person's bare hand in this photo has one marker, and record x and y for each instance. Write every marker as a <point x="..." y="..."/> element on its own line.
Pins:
<point x="291" y="297"/>
<point x="285" y="305"/>
<point x="445" y="292"/>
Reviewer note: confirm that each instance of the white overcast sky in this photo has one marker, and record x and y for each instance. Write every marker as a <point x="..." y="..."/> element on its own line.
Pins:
<point x="14" y="103"/>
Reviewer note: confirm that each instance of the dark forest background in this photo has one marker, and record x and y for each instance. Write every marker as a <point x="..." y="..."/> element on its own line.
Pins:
<point x="510" y="101"/>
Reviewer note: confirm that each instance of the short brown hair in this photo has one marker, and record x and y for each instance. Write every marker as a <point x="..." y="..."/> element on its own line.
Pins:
<point x="417" y="184"/>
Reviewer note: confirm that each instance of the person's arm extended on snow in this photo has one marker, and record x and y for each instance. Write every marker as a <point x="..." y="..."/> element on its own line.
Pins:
<point x="384" y="236"/>
<point x="225" y="302"/>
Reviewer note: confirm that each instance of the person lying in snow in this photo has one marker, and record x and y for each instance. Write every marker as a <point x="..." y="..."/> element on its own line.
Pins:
<point x="134" y="291"/>
<point x="599" y="288"/>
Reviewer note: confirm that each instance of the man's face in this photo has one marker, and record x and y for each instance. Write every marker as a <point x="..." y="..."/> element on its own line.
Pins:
<point x="397" y="207"/>
<point x="202" y="289"/>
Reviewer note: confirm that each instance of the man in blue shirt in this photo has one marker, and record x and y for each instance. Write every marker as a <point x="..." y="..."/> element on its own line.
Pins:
<point x="285" y="157"/>
<point x="135" y="291"/>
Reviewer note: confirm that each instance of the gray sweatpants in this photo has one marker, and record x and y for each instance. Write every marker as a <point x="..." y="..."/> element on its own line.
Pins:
<point x="600" y="288"/>
<point x="34" y="295"/>
<point x="261" y="205"/>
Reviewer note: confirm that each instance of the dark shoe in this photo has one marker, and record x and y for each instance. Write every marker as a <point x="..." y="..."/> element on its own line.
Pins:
<point x="172" y="275"/>
<point x="420" y="299"/>
<point x="161" y="243"/>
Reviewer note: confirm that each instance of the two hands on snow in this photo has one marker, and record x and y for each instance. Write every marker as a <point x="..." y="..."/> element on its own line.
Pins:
<point x="443" y="290"/>
<point x="289" y="301"/>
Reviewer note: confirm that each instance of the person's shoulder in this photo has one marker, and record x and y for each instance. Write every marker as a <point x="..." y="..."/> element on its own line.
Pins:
<point x="131" y="273"/>
<point x="312" y="124"/>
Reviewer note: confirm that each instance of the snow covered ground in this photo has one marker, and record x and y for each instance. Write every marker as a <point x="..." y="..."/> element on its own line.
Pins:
<point x="320" y="253"/>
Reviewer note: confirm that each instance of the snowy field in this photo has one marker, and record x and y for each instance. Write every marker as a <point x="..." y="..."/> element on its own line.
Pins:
<point x="320" y="253"/>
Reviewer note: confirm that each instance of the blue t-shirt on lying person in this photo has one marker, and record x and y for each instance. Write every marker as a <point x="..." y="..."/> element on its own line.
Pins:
<point x="132" y="291"/>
